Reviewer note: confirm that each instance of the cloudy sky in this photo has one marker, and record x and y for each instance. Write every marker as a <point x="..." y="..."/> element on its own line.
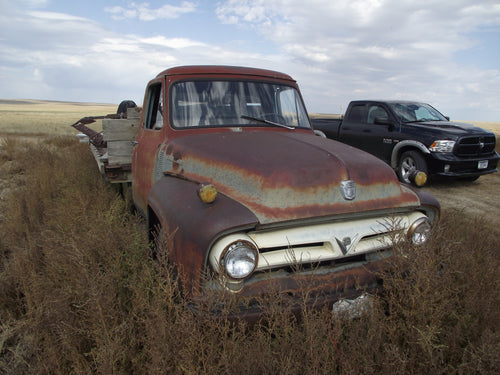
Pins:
<point x="445" y="52"/>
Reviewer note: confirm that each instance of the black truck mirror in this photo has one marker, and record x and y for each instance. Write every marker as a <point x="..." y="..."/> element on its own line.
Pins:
<point x="384" y="121"/>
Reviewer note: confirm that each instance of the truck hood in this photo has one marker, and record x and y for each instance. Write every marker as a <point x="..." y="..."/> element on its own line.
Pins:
<point x="456" y="128"/>
<point x="282" y="176"/>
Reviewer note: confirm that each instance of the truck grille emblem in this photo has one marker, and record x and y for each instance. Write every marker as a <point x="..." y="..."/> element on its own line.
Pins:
<point x="348" y="189"/>
<point x="346" y="243"/>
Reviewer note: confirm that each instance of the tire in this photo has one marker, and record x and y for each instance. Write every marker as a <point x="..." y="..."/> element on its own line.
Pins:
<point x="409" y="162"/>
<point x="123" y="106"/>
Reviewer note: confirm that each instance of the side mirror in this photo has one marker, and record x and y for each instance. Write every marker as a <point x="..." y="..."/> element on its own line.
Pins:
<point x="447" y="118"/>
<point x="384" y="121"/>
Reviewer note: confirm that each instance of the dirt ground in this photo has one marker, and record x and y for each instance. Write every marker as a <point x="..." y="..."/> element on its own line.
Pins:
<point x="477" y="198"/>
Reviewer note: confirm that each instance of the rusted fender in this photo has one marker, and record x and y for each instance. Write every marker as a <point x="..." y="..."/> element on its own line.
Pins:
<point x="192" y="225"/>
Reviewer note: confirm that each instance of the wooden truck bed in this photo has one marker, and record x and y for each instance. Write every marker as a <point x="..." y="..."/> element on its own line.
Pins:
<point x="112" y="149"/>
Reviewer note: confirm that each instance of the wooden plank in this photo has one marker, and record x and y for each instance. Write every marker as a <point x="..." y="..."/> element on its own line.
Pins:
<point x="134" y="113"/>
<point x="99" y="159"/>
<point x="120" y="129"/>
<point x="119" y="160"/>
<point x="119" y="152"/>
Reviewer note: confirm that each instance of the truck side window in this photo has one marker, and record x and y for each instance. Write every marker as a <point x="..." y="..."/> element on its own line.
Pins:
<point x="357" y="113"/>
<point x="375" y="111"/>
<point x="154" y="109"/>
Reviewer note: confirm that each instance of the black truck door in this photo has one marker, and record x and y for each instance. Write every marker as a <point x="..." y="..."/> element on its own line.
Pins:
<point x="368" y="127"/>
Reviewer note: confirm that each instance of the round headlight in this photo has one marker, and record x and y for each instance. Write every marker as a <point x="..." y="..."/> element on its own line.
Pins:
<point x="239" y="259"/>
<point x="420" y="231"/>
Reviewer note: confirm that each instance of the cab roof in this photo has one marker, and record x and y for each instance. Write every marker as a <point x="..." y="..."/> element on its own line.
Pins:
<point x="223" y="70"/>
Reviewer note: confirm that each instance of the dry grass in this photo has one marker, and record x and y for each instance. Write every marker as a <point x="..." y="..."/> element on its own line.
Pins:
<point x="489" y="125"/>
<point x="79" y="293"/>
<point x="37" y="117"/>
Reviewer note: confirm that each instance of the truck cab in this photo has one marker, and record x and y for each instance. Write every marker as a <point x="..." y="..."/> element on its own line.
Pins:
<point x="190" y="101"/>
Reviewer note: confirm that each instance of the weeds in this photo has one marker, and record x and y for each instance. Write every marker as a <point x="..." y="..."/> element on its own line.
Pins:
<point x="79" y="293"/>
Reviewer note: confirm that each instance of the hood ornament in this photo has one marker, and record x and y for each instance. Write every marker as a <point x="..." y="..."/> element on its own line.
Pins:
<point x="348" y="189"/>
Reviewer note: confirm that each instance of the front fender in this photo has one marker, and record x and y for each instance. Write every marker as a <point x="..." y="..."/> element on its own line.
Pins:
<point x="396" y="151"/>
<point x="191" y="226"/>
<point x="428" y="205"/>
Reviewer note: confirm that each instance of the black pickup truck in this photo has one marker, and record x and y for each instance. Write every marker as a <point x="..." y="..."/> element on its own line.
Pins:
<point x="414" y="136"/>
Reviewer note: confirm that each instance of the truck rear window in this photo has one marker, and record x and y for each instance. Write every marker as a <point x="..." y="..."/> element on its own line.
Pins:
<point x="207" y="103"/>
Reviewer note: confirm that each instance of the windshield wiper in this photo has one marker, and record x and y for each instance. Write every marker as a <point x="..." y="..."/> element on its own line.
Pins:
<point x="267" y="122"/>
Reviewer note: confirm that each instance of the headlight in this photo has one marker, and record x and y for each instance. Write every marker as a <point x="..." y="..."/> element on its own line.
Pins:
<point x="239" y="259"/>
<point x="442" y="146"/>
<point x="420" y="231"/>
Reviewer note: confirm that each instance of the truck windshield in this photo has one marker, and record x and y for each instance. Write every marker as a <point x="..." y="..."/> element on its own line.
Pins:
<point x="235" y="103"/>
<point x="416" y="112"/>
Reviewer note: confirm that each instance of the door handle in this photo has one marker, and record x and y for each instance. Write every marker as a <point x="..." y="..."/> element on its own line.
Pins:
<point x="134" y="143"/>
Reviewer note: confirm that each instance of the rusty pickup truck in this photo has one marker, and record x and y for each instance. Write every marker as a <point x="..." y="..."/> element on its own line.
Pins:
<point x="223" y="162"/>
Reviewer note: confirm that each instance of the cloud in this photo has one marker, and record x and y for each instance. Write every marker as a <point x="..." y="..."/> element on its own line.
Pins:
<point x="51" y="55"/>
<point x="350" y="49"/>
<point x="337" y="51"/>
<point x="143" y="11"/>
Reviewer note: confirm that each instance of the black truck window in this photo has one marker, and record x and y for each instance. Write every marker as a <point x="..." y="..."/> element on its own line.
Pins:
<point x="357" y="113"/>
<point x="376" y="111"/>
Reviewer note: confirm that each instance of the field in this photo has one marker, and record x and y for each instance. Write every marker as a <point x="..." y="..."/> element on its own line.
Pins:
<point x="39" y="117"/>
<point x="80" y="294"/>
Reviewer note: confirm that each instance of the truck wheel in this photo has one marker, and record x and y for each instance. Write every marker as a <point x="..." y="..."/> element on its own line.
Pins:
<point x="408" y="163"/>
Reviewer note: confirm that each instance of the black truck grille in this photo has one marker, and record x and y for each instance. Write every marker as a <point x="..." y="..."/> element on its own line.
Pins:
<point x="475" y="146"/>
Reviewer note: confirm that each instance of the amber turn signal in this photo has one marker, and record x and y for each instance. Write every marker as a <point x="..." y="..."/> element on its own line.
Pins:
<point x="207" y="193"/>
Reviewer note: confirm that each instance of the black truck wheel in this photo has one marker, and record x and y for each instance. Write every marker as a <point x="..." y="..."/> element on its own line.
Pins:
<point x="409" y="162"/>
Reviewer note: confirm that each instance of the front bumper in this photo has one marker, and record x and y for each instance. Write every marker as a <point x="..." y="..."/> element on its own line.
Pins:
<point x="449" y="165"/>
<point x="296" y="291"/>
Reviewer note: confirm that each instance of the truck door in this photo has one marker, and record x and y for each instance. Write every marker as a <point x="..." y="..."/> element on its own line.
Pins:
<point x="352" y="128"/>
<point x="367" y="127"/>
<point x="150" y="136"/>
<point x="381" y="132"/>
